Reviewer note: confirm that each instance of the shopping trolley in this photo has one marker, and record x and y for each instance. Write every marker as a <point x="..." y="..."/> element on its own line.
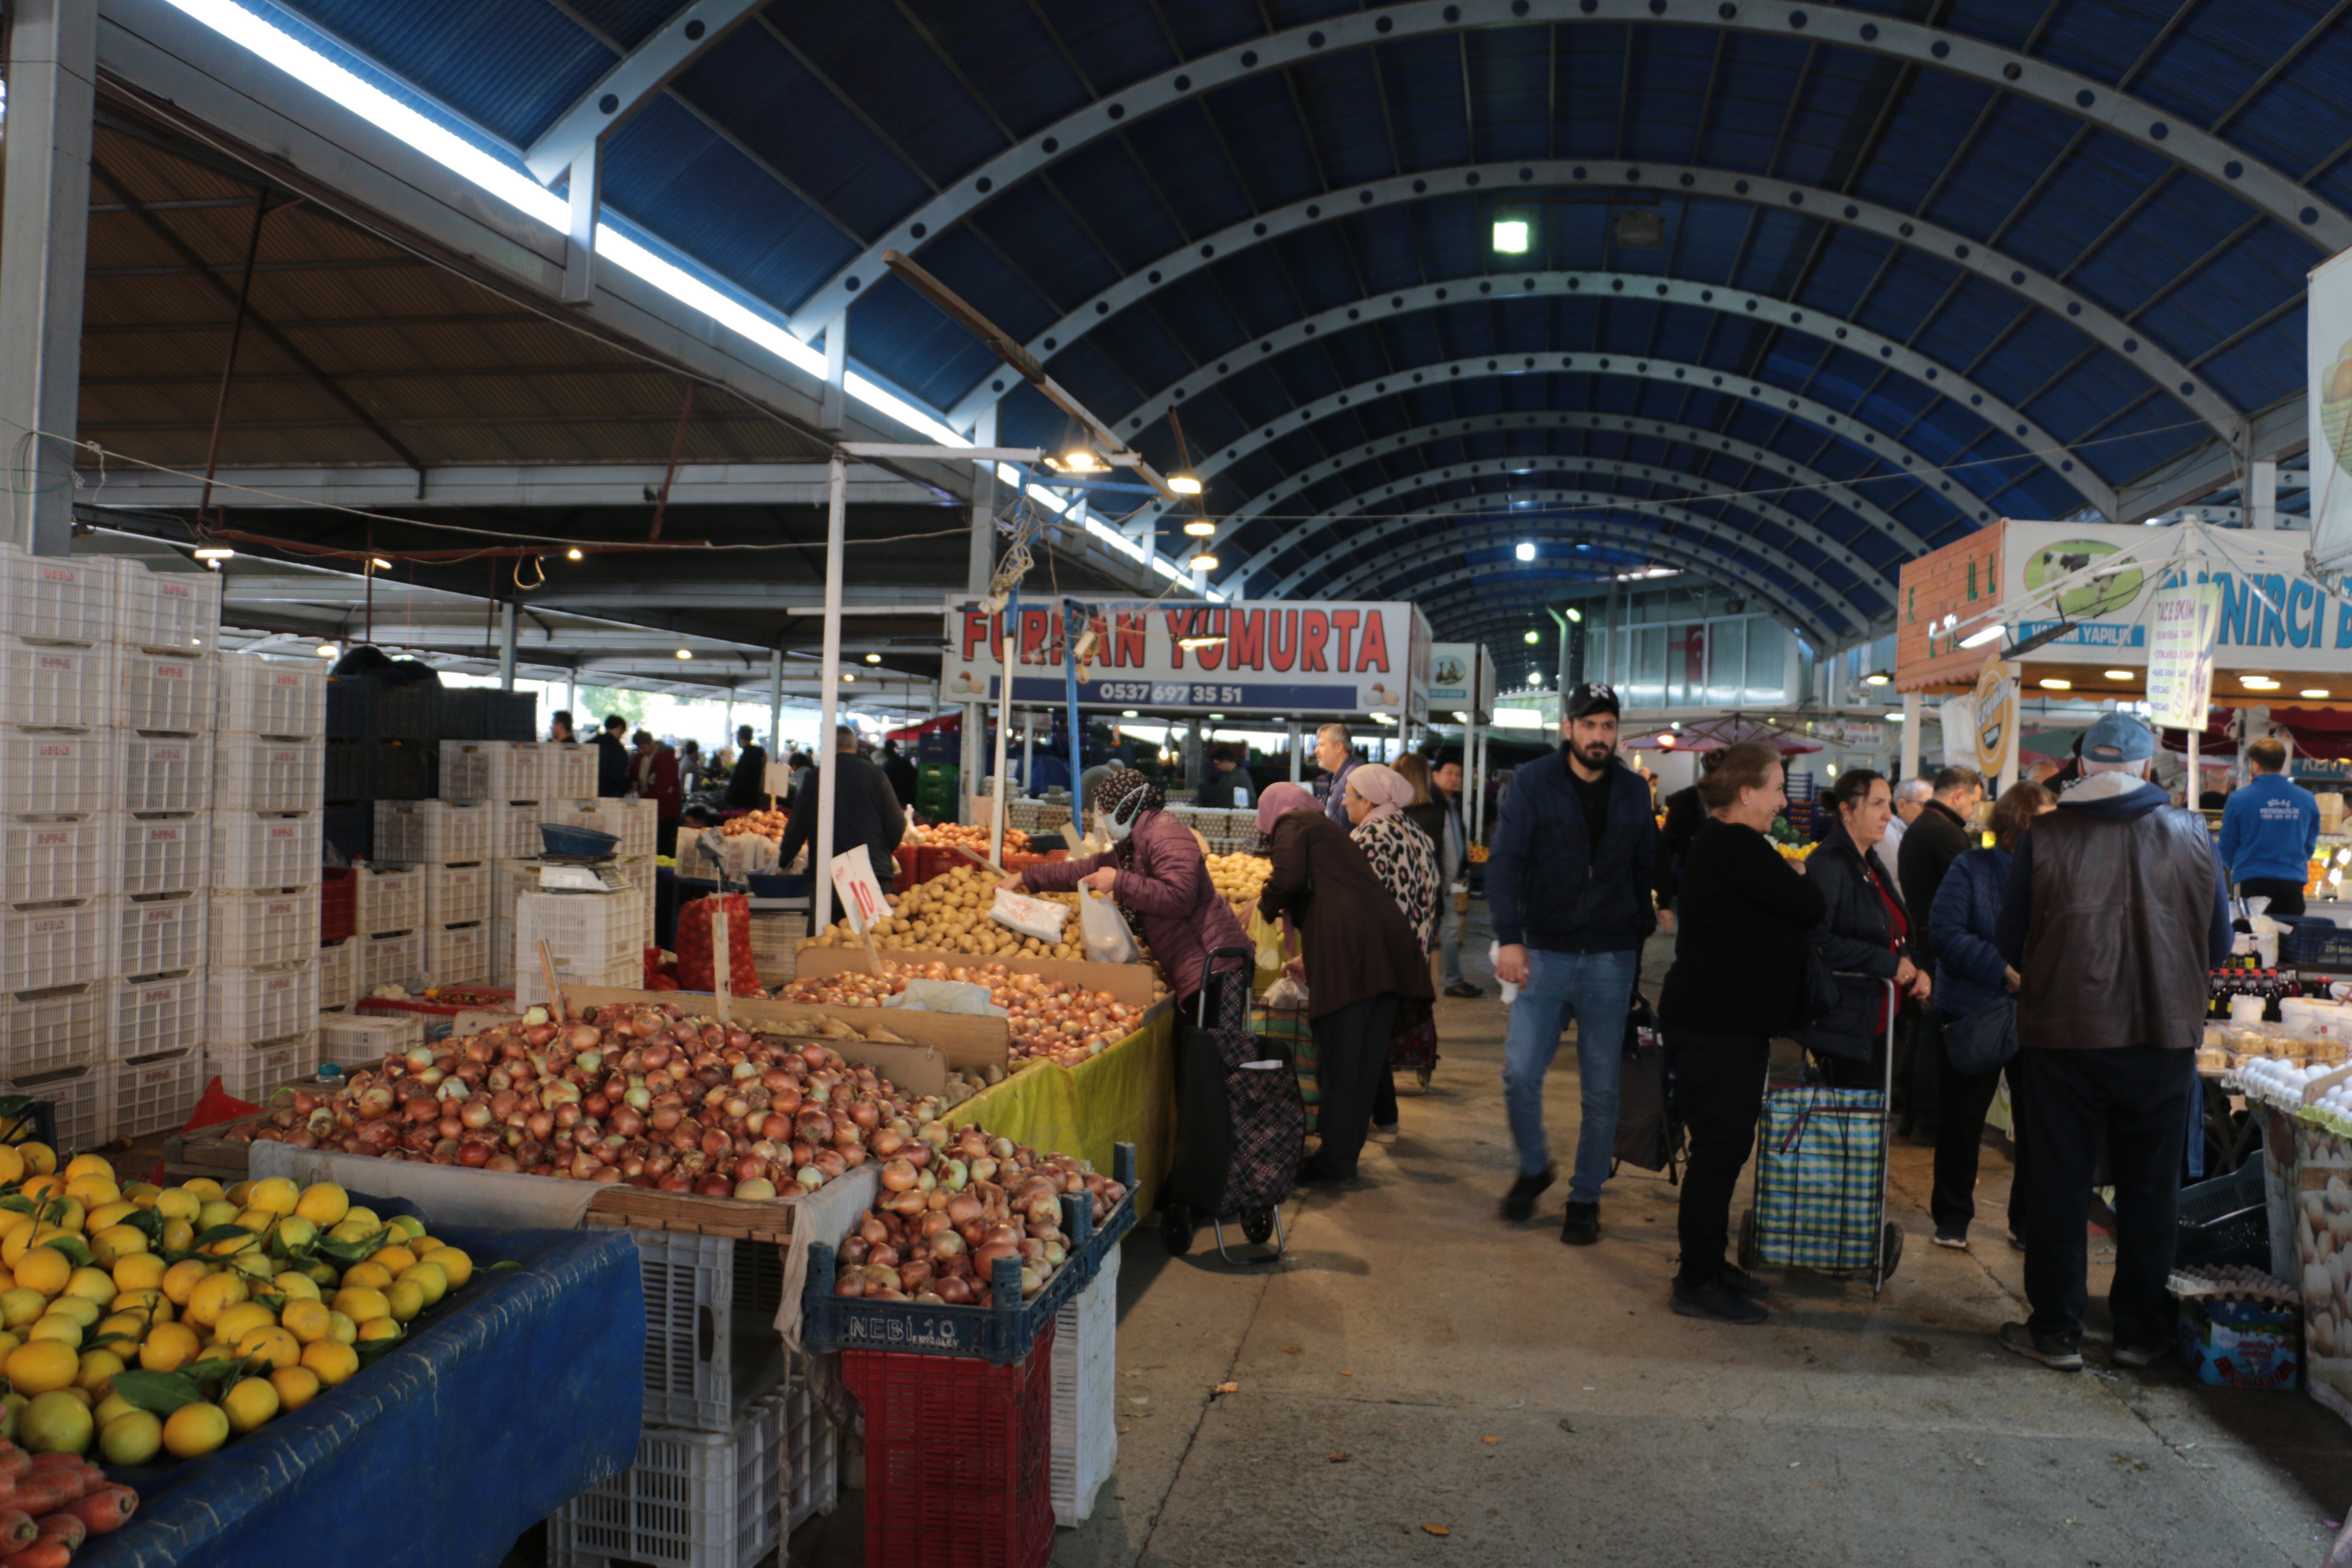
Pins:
<point x="1820" y="1177"/>
<point x="1240" y="1122"/>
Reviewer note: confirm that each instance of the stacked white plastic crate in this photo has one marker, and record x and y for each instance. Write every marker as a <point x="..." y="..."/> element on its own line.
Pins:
<point x="262" y="993"/>
<point x="448" y="844"/>
<point x="511" y="780"/>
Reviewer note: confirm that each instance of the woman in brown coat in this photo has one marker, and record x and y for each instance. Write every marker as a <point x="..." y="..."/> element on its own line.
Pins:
<point x="1360" y="959"/>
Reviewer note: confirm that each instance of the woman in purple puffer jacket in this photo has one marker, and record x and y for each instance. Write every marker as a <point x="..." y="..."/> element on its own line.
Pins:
<point x="1155" y="870"/>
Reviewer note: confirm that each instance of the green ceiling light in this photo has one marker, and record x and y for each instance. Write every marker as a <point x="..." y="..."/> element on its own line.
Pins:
<point x="1513" y="235"/>
<point x="1533" y="638"/>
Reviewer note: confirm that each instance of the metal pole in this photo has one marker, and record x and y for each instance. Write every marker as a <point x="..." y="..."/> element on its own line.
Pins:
<point x="1292" y="725"/>
<point x="1473" y="761"/>
<point x="236" y="336"/>
<point x="1028" y="750"/>
<point x="1912" y="709"/>
<point x="44" y="249"/>
<point x="828" y="774"/>
<point x="1011" y="661"/>
<point x="980" y="566"/>
<point x="1073" y="627"/>
<point x="775" y="703"/>
<point x="2196" y="791"/>
<point x="507" y="615"/>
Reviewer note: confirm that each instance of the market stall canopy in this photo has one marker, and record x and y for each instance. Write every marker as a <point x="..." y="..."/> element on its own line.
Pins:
<point x="2317" y="732"/>
<point x="1713" y="734"/>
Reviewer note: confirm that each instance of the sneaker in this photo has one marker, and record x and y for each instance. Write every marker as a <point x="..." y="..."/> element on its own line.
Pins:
<point x="1519" y="1205"/>
<point x="1582" y="1226"/>
<point x="1717" y="1302"/>
<point x="1384" y="1132"/>
<point x="1464" y="989"/>
<point x="1740" y="1282"/>
<point x="1955" y="1237"/>
<point x="2058" y="1355"/>
<point x="2137" y="1356"/>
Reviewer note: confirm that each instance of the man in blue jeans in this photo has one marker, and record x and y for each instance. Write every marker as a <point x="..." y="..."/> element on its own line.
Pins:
<point x="1568" y="883"/>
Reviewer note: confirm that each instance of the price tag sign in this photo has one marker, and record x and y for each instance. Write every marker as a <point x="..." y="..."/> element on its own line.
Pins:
<point x="778" y="781"/>
<point x="861" y="895"/>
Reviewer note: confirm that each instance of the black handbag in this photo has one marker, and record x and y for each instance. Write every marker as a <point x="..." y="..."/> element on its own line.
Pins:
<point x="1822" y="990"/>
<point x="1984" y="1039"/>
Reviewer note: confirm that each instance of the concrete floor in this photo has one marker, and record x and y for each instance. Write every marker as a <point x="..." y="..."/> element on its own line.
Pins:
<point x="1418" y="1383"/>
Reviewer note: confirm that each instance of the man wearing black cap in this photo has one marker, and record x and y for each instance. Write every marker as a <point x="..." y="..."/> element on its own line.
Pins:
<point x="1568" y="883"/>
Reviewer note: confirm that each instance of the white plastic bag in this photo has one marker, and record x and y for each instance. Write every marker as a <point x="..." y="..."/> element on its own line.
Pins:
<point x="1494" y="955"/>
<point x="1105" y="929"/>
<point x="1286" y="995"/>
<point x="1040" y="918"/>
<point x="945" y="996"/>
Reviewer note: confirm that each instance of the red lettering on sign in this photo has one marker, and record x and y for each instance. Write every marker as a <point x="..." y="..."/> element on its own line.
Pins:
<point x="1127" y="649"/>
<point x="1247" y="641"/>
<point x="287" y="681"/>
<point x="1180" y="623"/>
<point x="1036" y="626"/>
<point x="1282" y="638"/>
<point x="975" y="633"/>
<point x="1372" y="650"/>
<point x="1314" y="631"/>
<point x="1344" y="620"/>
<point x="1212" y="624"/>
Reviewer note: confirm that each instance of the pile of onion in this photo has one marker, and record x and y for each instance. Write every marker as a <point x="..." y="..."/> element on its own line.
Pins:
<point x="952" y="1206"/>
<point x="1051" y="1020"/>
<point x="632" y="1094"/>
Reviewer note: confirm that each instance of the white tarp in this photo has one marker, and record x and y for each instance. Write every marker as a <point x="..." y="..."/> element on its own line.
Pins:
<point x="2328" y="353"/>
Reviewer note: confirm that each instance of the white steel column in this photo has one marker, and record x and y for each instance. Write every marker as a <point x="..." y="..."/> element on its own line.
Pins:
<point x="2262" y="497"/>
<point x="507" y="615"/>
<point x="775" y="705"/>
<point x="832" y="409"/>
<point x="980" y="565"/>
<point x="828" y="773"/>
<point x="579" y="242"/>
<point x="1912" y="709"/>
<point x="1292" y="725"/>
<point x="1028" y="752"/>
<point x="44" y="245"/>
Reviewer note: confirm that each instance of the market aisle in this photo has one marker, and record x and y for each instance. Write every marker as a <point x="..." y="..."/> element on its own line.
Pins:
<point x="1542" y="1406"/>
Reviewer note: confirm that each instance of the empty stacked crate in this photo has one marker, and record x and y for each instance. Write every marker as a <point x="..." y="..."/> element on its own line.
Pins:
<point x="448" y="844"/>
<point x="509" y="779"/>
<point x="390" y="905"/>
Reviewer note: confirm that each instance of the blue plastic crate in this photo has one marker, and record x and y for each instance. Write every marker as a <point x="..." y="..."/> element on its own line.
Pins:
<point x="559" y="839"/>
<point x="2314" y="944"/>
<point x="1000" y="1334"/>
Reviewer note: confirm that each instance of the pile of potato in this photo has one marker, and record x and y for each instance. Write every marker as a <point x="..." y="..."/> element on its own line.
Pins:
<point x="971" y="835"/>
<point x="950" y="915"/>
<point x="768" y="825"/>
<point x="1239" y="879"/>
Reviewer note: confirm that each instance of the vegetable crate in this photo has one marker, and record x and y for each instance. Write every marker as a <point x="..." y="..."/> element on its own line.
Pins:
<point x="456" y="895"/>
<point x="252" y="1073"/>
<point x="269" y="773"/>
<point x="58" y="596"/>
<point x="339" y="903"/>
<point x="260" y="696"/>
<point x="458" y="952"/>
<point x="1085" y="1368"/>
<point x="956" y="1457"/>
<point x="435" y="832"/>
<point x="80" y="1107"/>
<point x="265" y="850"/>
<point x="47" y="945"/>
<point x="696" y="1375"/>
<point x="811" y="1451"/>
<point x="693" y="1499"/>
<point x="43" y="859"/>
<point x="246" y="1005"/>
<point x="160" y="854"/>
<point x="269" y="926"/>
<point x="164" y="773"/>
<point x="164" y="689"/>
<point x="998" y="1334"/>
<point x="154" y="1093"/>
<point x="389" y="900"/>
<point x="62" y="685"/>
<point x="41" y="1031"/>
<point x="158" y="1012"/>
<point x="357" y="1040"/>
<point x="165" y="609"/>
<point x="48" y="771"/>
<point x="339" y="975"/>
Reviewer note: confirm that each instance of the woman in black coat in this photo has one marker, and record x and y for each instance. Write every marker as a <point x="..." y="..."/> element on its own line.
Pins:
<point x="1864" y="939"/>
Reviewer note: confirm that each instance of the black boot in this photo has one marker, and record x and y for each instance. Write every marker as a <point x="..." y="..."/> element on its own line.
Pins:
<point x="1582" y="1226"/>
<point x="1519" y="1205"/>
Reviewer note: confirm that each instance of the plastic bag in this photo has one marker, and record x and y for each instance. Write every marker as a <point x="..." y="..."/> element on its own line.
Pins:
<point x="1105" y="929"/>
<point x="1040" y="918"/>
<point x="945" y="996"/>
<point x="1494" y="955"/>
<point x="1285" y="996"/>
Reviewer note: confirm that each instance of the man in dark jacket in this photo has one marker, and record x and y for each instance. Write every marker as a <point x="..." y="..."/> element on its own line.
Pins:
<point x="1683" y="814"/>
<point x="1568" y="883"/>
<point x="864" y="811"/>
<point x="612" y="759"/>
<point x="2115" y="911"/>
<point x="747" y="786"/>
<point x="899" y="772"/>
<point x="1937" y="836"/>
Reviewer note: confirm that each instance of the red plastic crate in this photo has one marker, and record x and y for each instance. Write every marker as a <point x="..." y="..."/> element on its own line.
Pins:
<point x="908" y="872"/>
<point x="339" y="903"/>
<point x="958" y="1443"/>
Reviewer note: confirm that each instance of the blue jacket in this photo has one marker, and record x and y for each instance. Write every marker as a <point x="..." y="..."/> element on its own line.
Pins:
<point x="1544" y="887"/>
<point x="1966" y="907"/>
<point x="2269" y="829"/>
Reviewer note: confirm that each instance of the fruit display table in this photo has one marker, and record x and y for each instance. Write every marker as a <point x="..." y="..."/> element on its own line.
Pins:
<point x="1126" y="1095"/>
<point x="442" y="1452"/>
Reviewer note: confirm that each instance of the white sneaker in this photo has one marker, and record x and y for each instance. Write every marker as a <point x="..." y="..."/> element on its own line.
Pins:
<point x="1385" y="1134"/>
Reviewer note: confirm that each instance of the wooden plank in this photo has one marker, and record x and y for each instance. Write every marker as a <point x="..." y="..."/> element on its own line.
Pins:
<point x="1134" y="984"/>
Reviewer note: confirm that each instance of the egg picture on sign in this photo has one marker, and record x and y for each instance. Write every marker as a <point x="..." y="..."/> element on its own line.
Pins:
<point x="2336" y="405"/>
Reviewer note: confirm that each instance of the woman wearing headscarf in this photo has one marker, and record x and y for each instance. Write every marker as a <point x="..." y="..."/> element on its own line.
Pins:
<point x="1377" y="799"/>
<point x="1362" y="958"/>
<point x="1154" y="868"/>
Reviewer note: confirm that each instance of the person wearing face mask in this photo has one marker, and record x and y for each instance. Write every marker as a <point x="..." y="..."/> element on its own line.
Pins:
<point x="1568" y="884"/>
<point x="1155" y="870"/>
<point x="1866" y="937"/>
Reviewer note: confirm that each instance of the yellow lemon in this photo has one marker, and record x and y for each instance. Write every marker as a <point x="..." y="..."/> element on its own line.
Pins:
<point x="292" y="1232"/>
<point x="119" y="1333"/>
<point x="331" y="1359"/>
<point x="203" y="1187"/>
<point x="274" y="1196"/>
<point x="12" y="1220"/>
<point x="112" y="1405"/>
<point x="215" y="1212"/>
<point x="97" y="1370"/>
<point x="89" y="1165"/>
<point x="12" y="1165"/>
<point x="233" y="1323"/>
<point x="168" y="1346"/>
<point x="93" y="1191"/>
<point x="256" y="1220"/>
<point x="181" y="1280"/>
<point x="361" y="1302"/>
<point x="139" y="1270"/>
<point x="44" y="1268"/>
<point x="408" y="1225"/>
<point x="323" y="1204"/>
<point x="395" y="1258"/>
<point x="64" y="1330"/>
<point x="132" y="1438"/>
<point x="143" y="1193"/>
<point x="376" y="1329"/>
<point x="429" y="1276"/>
<point x="352" y="1232"/>
<point x="81" y="1396"/>
<point x="74" y="1310"/>
<point x="269" y="1347"/>
<point x="294" y="1285"/>
<point x="296" y="1385"/>
<point x="456" y="1265"/>
<point x="365" y="1216"/>
<point x="115" y="1212"/>
<point x="179" y="1203"/>
<point x="307" y="1321"/>
<point x="148" y="1304"/>
<point x="9" y="1342"/>
<point x="236" y="1193"/>
<point x="341" y="1329"/>
<point x="178" y="1235"/>
<point x="21" y="1306"/>
<point x="41" y="1365"/>
<point x="253" y="1265"/>
<point x="196" y="1429"/>
<point x="90" y="1285"/>
<point x="115" y="1242"/>
<point x="214" y="1295"/>
<point x="57" y="1423"/>
<point x="368" y="1276"/>
<point x="427" y="1246"/>
<point x="406" y="1298"/>
<point x="38" y="1157"/>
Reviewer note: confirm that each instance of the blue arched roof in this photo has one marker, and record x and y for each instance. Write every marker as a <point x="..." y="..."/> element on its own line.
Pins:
<point x="786" y="153"/>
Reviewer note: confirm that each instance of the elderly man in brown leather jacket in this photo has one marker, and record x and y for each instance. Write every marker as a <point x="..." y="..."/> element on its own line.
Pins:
<point x="2114" y="910"/>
